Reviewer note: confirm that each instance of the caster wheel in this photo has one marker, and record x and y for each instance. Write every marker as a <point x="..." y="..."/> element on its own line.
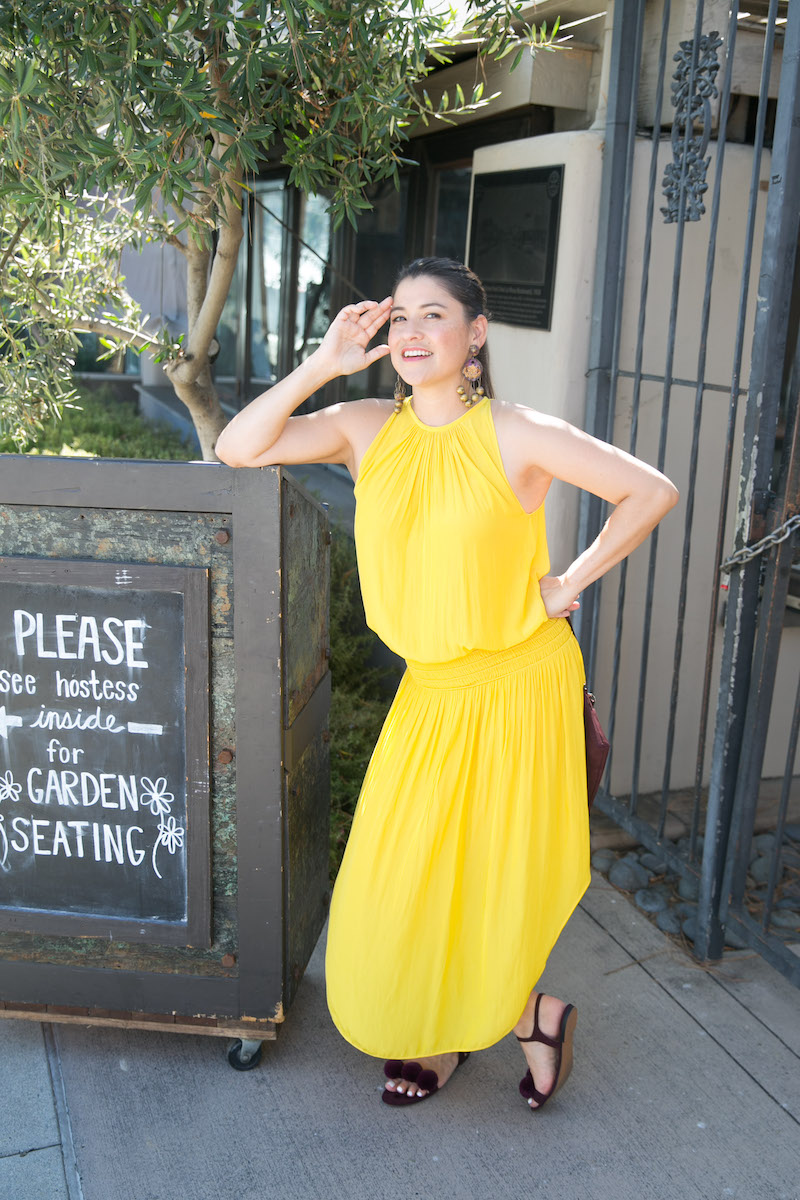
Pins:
<point x="241" y="1057"/>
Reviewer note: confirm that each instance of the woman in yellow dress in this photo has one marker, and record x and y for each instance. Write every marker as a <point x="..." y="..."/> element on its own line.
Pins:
<point x="470" y="844"/>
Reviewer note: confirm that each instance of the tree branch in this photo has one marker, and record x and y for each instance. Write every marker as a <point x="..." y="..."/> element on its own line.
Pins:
<point x="205" y="316"/>
<point x="131" y="337"/>
<point x="139" y="341"/>
<point x="174" y="240"/>
<point x="10" y="247"/>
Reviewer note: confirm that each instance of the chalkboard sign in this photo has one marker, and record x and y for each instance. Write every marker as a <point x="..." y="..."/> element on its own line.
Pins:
<point x="103" y="750"/>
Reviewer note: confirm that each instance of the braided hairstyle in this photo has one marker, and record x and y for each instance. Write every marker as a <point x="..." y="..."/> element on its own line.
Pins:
<point x="464" y="286"/>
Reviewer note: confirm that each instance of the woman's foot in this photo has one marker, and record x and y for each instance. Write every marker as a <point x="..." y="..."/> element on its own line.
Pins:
<point x="548" y="1065"/>
<point x="443" y="1066"/>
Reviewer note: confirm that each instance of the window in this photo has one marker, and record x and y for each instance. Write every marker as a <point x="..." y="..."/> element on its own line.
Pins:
<point x="278" y="306"/>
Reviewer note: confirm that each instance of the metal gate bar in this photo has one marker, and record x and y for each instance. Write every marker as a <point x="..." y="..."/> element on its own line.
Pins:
<point x="700" y="388"/>
<point x="626" y="50"/>
<point x="608" y="431"/>
<point x="678" y="382"/>
<point x="665" y="403"/>
<point x="783" y="808"/>
<point x="737" y="762"/>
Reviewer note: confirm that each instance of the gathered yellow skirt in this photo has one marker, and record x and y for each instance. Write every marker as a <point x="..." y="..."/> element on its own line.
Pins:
<point x="469" y="850"/>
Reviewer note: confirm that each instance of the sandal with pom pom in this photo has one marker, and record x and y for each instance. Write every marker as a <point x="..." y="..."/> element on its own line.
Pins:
<point x="413" y="1072"/>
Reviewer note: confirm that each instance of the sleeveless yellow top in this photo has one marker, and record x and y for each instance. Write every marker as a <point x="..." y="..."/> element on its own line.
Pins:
<point x="449" y="560"/>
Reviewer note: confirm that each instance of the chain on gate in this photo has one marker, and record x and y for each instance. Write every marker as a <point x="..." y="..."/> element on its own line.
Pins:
<point x="748" y="553"/>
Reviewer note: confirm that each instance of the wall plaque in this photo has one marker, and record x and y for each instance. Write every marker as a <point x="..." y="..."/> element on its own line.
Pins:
<point x="514" y="240"/>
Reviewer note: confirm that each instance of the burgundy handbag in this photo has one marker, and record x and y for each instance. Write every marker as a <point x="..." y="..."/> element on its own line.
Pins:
<point x="597" y="747"/>
<point x="597" y="744"/>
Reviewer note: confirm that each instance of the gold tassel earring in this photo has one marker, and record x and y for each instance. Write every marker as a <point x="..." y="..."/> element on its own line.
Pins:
<point x="472" y="371"/>
<point x="399" y="394"/>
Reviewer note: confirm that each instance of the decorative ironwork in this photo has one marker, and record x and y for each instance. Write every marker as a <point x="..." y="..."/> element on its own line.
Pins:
<point x="689" y="164"/>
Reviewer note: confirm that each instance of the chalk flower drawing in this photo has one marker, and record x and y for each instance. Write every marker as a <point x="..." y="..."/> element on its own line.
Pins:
<point x="154" y="795"/>
<point x="170" y="835"/>
<point x="9" y="789"/>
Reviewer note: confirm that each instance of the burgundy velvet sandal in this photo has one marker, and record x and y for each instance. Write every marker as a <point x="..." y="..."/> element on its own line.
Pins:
<point x="413" y="1072"/>
<point x="562" y="1044"/>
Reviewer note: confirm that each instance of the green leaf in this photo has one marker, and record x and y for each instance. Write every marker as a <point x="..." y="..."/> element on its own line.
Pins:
<point x="186" y="18"/>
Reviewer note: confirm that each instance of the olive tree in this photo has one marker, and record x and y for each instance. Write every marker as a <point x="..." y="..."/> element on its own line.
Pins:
<point x="127" y="123"/>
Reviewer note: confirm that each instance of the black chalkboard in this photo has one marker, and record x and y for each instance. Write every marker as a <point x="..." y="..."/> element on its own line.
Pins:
<point x="103" y="794"/>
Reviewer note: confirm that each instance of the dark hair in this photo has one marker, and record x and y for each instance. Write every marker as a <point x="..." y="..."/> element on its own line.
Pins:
<point x="464" y="286"/>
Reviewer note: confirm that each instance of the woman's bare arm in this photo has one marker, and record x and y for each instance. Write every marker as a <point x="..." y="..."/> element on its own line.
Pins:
<point x="552" y="449"/>
<point x="265" y="432"/>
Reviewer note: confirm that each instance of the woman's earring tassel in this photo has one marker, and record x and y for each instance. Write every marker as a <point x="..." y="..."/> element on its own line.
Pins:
<point x="399" y="394"/>
<point x="472" y="371"/>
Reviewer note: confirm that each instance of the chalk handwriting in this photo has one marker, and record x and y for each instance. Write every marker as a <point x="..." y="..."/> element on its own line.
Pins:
<point x="51" y="718"/>
<point x="95" y="688"/>
<point x="88" y="639"/>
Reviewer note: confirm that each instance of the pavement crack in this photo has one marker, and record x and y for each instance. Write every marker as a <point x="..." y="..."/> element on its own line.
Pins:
<point x="30" y="1150"/>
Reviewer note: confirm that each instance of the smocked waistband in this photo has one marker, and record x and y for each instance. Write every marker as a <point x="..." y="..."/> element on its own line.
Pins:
<point x="482" y="666"/>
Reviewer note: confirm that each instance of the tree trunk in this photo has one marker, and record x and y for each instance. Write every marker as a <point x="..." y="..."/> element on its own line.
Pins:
<point x="202" y="401"/>
<point x="208" y="281"/>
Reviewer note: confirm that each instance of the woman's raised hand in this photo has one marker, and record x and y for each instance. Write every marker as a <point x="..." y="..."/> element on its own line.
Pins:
<point x="344" y="346"/>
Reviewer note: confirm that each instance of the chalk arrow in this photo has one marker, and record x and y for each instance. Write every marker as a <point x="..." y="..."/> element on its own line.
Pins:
<point x="7" y="722"/>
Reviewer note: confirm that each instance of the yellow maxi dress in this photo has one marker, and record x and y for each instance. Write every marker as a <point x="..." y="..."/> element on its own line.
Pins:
<point x="470" y="844"/>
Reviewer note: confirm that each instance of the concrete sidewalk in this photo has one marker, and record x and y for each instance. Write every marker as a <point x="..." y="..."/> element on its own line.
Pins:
<point x="686" y="1085"/>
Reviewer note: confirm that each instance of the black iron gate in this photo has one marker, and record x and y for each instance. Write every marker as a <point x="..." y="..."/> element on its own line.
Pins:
<point x="716" y="407"/>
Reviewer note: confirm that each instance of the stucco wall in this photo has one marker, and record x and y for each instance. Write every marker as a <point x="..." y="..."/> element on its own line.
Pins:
<point x="546" y="368"/>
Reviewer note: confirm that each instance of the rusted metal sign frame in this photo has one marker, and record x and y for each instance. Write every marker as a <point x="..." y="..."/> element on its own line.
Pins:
<point x="256" y="988"/>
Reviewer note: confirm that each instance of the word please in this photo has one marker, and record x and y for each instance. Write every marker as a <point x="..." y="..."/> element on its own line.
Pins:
<point x="75" y="636"/>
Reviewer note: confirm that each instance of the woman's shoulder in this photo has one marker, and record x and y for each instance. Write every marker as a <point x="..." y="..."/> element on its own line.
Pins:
<point x="365" y="417"/>
<point x="532" y="440"/>
<point x="370" y="409"/>
<point x="522" y="417"/>
<point x="362" y="421"/>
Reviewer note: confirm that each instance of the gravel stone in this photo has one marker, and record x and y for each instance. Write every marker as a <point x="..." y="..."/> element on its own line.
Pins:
<point x="764" y="843"/>
<point x="629" y="876"/>
<point x="668" y="921"/>
<point x="786" y="918"/>
<point x="689" y="928"/>
<point x="653" y="863"/>
<point x="688" y="888"/>
<point x="793" y="830"/>
<point x="760" y="869"/>
<point x="603" y="860"/>
<point x="734" y="940"/>
<point x="650" y="901"/>
<point x="685" y="909"/>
